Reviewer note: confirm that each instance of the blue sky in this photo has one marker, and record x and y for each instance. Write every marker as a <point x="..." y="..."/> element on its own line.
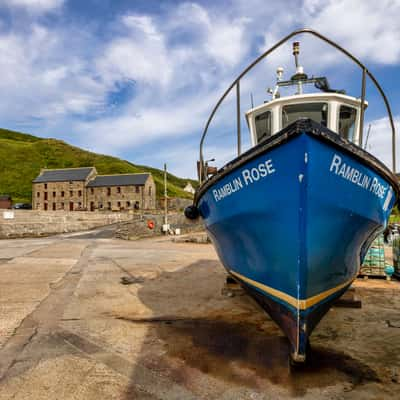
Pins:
<point x="137" y="79"/>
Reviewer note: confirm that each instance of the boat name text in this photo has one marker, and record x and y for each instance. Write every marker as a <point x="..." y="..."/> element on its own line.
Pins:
<point x="248" y="176"/>
<point x="353" y="175"/>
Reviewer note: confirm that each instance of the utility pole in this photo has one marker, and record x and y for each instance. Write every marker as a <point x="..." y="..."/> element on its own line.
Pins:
<point x="165" y="199"/>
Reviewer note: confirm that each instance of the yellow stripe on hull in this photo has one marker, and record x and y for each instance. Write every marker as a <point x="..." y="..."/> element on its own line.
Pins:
<point x="296" y="303"/>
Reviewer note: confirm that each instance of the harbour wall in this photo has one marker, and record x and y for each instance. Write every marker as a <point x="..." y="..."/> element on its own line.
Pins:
<point x="33" y="223"/>
<point x="148" y="225"/>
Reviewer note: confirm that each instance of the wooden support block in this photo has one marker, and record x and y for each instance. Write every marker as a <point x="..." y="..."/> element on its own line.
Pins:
<point x="348" y="300"/>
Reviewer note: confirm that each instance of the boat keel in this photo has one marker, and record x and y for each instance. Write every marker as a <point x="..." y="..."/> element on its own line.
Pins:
<point x="296" y="325"/>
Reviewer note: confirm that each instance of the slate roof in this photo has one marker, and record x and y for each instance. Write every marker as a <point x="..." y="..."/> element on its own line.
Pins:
<point x="63" y="175"/>
<point x="119" y="180"/>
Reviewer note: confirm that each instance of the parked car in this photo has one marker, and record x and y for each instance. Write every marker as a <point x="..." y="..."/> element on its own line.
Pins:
<point x="22" y="206"/>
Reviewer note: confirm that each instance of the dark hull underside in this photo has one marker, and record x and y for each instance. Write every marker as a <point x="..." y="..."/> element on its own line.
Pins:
<point x="288" y="322"/>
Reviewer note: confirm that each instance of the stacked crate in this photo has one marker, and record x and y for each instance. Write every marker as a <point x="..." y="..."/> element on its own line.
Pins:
<point x="396" y="257"/>
<point x="374" y="261"/>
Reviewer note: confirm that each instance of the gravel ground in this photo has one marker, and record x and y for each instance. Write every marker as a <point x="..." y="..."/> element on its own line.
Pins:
<point x="70" y="330"/>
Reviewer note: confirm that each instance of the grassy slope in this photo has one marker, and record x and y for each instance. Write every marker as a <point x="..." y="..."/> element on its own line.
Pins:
<point x="22" y="156"/>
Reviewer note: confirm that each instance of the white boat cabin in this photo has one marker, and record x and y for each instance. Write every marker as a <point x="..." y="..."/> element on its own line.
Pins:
<point x="338" y="112"/>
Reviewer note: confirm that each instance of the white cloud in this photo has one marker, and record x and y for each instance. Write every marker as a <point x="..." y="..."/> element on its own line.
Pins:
<point x="35" y="6"/>
<point x="42" y="79"/>
<point x="368" y="28"/>
<point x="181" y="61"/>
<point x="139" y="54"/>
<point x="146" y="124"/>
<point x="217" y="36"/>
<point x="380" y="140"/>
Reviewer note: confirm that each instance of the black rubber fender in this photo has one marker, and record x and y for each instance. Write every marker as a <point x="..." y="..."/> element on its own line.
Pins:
<point x="192" y="212"/>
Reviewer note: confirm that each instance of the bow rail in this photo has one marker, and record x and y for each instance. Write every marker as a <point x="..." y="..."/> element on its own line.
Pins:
<point x="202" y="168"/>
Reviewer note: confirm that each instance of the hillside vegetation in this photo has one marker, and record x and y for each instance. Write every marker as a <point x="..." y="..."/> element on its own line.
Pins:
<point x="22" y="157"/>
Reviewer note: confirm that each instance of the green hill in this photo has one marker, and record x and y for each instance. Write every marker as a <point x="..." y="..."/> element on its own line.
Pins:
<point x="22" y="156"/>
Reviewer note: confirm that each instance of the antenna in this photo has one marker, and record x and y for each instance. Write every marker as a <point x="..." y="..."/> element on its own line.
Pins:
<point x="251" y="99"/>
<point x="299" y="76"/>
<point x="296" y="52"/>
<point x="366" y="139"/>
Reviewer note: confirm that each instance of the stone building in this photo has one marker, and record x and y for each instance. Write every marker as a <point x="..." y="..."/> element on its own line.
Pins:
<point x="121" y="192"/>
<point x="75" y="189"/>
<point x="5" y="201"/>
<point x="189" y="188"/>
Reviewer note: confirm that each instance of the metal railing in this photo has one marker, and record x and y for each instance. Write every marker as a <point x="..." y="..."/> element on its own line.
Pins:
<point x="236" y="83"/>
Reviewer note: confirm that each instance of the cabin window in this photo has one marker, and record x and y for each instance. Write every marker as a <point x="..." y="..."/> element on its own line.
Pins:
<point x="263" y="126"/>
<point x="318" y="112"/>
<point x="347" y="122"/>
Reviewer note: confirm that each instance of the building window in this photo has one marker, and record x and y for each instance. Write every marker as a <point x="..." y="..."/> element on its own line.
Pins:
<point x="109" y="205"/>
<point x="45" y="195"/>
<point x="79" y="205"/>
<point x="137" y="205"/>
<point x="119" y="204"/>
<point x="108" y="191"/>
<point x="100" y="205"/>
<point x="118" y="189"/>
<point x="71" y="206"/>
<point x="54" y="194"/>
<point x="54" y="206"/>
<point x="137" y="189"/>
<point x="71" y="193"/>
<point x="128" y="204"/>
<point x="79" y="193"/>
<point x="45" y="206"/>
<point x="91" y="190"/>
<point x="62" y="206"/>
<point x="150" y="191"/>
<point x="38" y="194"/>
<point x="45" y="185"/>
<point x="62" y="194"/>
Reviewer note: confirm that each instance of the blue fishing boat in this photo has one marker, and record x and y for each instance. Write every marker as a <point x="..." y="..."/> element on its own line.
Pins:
<point x="292" y="218"/>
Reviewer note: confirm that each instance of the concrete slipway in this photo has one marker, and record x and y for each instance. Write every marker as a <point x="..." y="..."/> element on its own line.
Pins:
<point x="70" y="330"/>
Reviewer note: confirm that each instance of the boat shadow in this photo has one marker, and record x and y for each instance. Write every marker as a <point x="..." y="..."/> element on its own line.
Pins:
<point x="198" y="338"/>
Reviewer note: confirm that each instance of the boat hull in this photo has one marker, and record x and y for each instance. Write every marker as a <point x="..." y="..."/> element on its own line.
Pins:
<point x="292" y="223"/>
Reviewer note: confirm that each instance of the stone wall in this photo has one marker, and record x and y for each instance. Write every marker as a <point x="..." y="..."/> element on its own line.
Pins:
<point x="174" y="203"/>
<point x="139" y="226"/>
<point x="33" y="223"/>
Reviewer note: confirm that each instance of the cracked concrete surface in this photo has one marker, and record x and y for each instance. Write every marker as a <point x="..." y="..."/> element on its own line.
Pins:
<point x="70" y="330"/>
